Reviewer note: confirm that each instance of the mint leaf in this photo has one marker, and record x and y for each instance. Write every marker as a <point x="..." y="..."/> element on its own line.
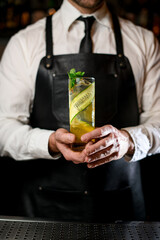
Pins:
<point x="73" y="75"/>
<point x="72" y="71"/>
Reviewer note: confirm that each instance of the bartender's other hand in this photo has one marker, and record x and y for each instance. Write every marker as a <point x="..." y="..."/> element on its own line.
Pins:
<point x="111" y="144"/>
<point x="61" y="141"/>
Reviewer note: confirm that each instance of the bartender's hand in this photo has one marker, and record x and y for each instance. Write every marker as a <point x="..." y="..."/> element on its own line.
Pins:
<point x="110" y="144"/>
<point x="61" y="141"/>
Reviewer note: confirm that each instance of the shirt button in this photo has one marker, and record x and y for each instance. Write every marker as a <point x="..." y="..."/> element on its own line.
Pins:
<point x="86" y="192"/>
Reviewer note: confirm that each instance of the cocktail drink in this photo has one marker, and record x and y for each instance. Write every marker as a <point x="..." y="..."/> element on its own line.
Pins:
<point x="81" y="106"/>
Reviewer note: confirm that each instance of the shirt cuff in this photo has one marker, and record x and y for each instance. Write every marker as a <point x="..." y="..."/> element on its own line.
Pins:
<point x="38" y="146"/>
<point x="141" y="142"/>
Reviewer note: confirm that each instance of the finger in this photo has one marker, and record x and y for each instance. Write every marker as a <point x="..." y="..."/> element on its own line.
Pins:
<point x="63" y="136"/>
<point x="73" y="156"/>
<point x="102" y="161"/>
<point x="100" y="145"/>
<point x="91" y="135"/>
<point x="97" y="133"/>
<point x="100" y="155"/>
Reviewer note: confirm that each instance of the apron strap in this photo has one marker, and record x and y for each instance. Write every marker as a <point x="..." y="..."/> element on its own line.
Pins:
<point x="49" y="43"/>
<point x="118" y="40"/>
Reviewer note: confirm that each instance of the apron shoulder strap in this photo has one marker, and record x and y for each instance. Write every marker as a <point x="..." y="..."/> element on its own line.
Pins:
<point x="118" y="40"/>
<point x="49" y="43"/>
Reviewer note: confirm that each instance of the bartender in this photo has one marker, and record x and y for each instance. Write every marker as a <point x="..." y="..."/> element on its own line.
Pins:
<point x="102" y="182"/>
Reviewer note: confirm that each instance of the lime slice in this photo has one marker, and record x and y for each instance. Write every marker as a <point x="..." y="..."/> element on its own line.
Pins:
<point x="81" y="101"/>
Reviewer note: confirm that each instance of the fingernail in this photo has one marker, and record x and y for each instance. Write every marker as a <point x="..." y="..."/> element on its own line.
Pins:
<point x="70" y="138"/>
<point x="83" y="139"/>
<point x="89" y="166"/>
<point x="89" y="159"/>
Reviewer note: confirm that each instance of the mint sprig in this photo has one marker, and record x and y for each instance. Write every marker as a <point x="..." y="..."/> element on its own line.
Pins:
<point x="73" y="75"/>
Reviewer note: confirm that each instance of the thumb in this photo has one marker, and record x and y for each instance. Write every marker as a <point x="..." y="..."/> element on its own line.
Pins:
<point x="63" y="136"/>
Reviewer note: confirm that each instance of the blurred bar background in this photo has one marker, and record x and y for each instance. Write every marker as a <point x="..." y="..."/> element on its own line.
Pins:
<point x="17" y="14"/>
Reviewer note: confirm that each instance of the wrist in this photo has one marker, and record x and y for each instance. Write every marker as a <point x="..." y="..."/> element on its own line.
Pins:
<point x="131" y="146"/>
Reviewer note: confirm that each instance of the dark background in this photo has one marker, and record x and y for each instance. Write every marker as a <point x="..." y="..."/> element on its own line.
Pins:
<point x="17" y="14"/>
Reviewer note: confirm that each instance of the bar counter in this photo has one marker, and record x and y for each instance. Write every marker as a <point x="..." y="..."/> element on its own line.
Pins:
<point x="18" y="228"/>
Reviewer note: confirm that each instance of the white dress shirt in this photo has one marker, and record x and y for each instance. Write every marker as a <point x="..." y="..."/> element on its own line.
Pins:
<point x="19" y="66"/>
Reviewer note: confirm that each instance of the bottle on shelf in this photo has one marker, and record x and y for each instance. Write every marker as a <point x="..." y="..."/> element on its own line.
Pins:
<point x="51" y="7"/>
<point x="14" y="15"/>
<point x="11" y="18"/>
<point x="156" y="25"/>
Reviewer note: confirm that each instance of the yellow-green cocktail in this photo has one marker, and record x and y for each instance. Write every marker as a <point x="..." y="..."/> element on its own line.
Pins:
<point x="81" y="105"/>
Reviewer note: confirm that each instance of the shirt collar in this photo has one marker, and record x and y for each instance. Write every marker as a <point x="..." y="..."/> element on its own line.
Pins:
<point x="101" y="15"/>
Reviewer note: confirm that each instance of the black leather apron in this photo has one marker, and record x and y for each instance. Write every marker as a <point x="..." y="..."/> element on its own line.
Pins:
<point x="60" y="189"/>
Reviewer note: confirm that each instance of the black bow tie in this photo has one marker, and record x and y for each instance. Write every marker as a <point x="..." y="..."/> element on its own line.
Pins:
<point x="86" y="43"/>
